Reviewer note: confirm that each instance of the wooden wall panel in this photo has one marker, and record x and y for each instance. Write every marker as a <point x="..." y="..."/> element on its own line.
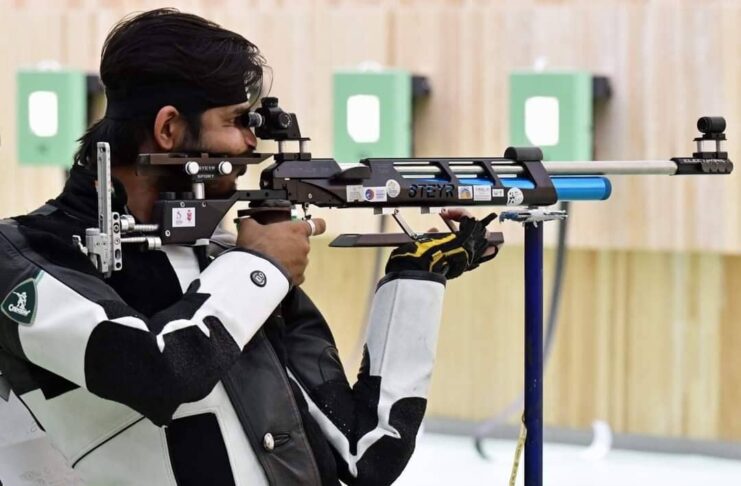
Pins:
<point x="646" y="341"/>
<point x="649" y="335"/>
<point x="729" y="419"/>
<point x="667" y="67"/>
<point x="24" y="188"/>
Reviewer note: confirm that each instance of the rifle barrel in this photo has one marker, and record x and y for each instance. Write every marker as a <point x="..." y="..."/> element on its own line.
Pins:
<point x="586" y="168"/>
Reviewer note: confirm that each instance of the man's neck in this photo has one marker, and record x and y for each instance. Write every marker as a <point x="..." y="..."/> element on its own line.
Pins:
<point x="142" y="192"/>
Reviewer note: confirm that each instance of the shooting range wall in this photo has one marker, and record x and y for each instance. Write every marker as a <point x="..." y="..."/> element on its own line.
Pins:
<point x="650" y="331"/>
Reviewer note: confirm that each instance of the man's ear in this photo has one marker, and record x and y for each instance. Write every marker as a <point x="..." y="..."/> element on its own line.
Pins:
<point x="169" y="128"/>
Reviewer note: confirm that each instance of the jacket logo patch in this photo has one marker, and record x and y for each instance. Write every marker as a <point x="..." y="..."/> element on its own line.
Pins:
<point x="258" y="278"/>
<point x="20" y="304"/>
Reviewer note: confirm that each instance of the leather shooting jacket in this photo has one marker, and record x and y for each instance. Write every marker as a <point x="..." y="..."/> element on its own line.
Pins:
<point x="192" y="369"/>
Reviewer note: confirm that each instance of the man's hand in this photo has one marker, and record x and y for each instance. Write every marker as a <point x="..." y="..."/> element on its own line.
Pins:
<point x="286" y="242"/>
<point x="449" y="255"/>
<point x="456" y="214"/>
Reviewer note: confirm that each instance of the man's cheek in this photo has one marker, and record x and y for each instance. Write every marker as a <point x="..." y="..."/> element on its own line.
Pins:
<point x="221" y="186"/>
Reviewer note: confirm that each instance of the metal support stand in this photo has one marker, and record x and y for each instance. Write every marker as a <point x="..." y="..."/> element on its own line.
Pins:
<point x="533" y="220"/>
<point x="534" y="354"/>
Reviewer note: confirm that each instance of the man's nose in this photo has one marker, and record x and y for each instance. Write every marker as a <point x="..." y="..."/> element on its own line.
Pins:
<point x="250" y="139"/>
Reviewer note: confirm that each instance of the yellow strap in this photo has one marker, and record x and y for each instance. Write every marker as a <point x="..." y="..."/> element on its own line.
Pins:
<point x="424" y="246"/>
<point x="438" y="255"/>
<point x="518" y="452"/>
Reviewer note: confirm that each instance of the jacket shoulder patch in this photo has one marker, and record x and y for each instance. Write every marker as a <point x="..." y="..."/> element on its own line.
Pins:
<point x="20" y="303"/>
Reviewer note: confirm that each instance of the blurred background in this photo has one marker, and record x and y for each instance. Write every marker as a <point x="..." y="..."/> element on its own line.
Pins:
<point x="649" y="337"/>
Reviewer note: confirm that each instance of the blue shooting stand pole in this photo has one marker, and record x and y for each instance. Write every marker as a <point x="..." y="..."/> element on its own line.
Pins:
<point x="533" y="220"/>
<point x="534" y="353"/>
<point x="575" y="181"/>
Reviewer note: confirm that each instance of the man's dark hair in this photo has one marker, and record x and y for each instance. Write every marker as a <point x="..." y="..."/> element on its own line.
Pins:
<point x="162" y="51"/>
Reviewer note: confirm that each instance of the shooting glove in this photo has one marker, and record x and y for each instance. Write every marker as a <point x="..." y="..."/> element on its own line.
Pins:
<point x="449" y="255"/>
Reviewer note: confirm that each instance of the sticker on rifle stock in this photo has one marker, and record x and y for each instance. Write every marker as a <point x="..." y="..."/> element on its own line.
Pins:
<point x="354" y="193"/>
<point x="183" y="217"/>
<point x="375" y="194"/>
<point x="393" y="189"/>
<point x="465" y="192"/>
<point x="481" y="193"/>
<point x="514" y="197"/>
<point x="497" y="193"/>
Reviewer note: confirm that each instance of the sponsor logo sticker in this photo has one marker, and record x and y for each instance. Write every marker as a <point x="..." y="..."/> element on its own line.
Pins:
<point x="393" y="188"/>
<point x="375" y="194"/>
<point x="465" y="192"/>
<point x="514" y="197"/>
<point x="183" y="217"/>
<point x="354" y="193"/>
<point x="497" y="193"/>
<point x="481" y="193"/>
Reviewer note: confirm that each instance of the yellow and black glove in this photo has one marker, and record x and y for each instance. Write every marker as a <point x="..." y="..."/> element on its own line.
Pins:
<point x="450" y="255"/>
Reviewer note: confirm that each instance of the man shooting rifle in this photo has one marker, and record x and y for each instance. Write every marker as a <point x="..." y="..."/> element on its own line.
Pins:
<point x="192" y="368"/>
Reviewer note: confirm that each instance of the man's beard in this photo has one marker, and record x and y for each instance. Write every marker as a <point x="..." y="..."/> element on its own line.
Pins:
<point x="217" y="188"/>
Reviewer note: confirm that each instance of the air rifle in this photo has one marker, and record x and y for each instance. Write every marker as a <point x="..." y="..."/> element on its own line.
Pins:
<point x="519" y="178"/>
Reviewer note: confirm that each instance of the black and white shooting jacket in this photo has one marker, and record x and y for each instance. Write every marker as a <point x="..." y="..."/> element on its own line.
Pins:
<point x="184" y="370"/>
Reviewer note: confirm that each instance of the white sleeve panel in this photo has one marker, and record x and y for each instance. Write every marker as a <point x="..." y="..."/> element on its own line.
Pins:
<point x="402" y="335"/>
<point x="64" y="320"/>
<point x="401" y="341"/>
<point x="58" y="336"/>
<point x="245" y="289"/>
<point x="184" y="263"/>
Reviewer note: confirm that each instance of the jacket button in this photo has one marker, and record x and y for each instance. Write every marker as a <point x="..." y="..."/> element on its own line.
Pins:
<point x="268" y="442"/>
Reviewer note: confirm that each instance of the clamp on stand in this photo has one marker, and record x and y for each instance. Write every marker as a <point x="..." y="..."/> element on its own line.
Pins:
<point x="533" y="416"/>
<point x="532" y="215"/>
